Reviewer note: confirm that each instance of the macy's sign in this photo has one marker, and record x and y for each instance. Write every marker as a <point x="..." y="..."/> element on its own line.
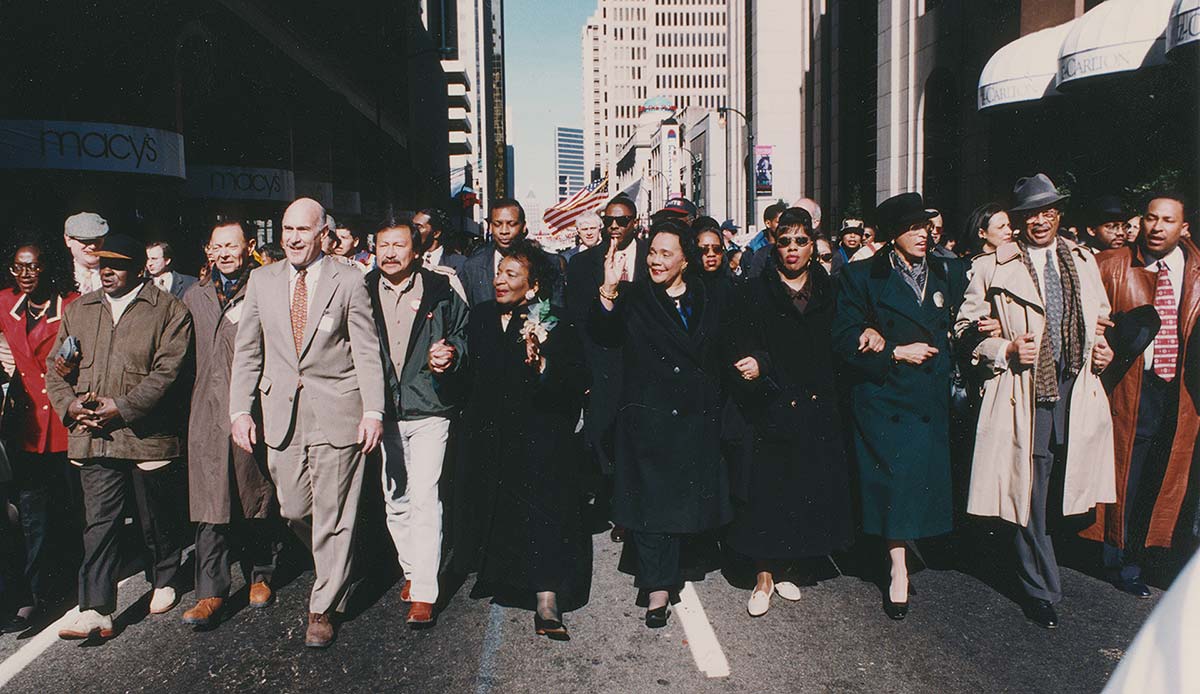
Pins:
<point x="80" y="146"/>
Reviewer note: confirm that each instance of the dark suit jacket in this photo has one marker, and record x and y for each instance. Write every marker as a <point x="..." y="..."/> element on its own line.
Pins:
<point x="479" y="270"/>
<point x="180" y="283"/>
<point x="454" y="261"/>
<point x="585" y="274"/>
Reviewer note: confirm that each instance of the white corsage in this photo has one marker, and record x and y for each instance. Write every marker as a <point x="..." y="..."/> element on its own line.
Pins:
<point x="538" y="322"/>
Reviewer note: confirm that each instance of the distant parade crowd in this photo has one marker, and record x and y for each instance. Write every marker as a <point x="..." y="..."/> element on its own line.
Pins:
<point x="702" y="396"/>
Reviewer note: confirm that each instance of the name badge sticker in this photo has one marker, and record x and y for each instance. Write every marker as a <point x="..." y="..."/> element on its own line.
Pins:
<point x="326" y="324"/>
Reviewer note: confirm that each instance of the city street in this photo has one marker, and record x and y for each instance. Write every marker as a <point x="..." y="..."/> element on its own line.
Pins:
<point x="961" y="636"/>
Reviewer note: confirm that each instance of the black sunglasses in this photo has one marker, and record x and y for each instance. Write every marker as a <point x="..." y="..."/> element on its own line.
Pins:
<point x="798" y="241"/>
<point x="714" y="248"/>
<point x="621" y="221"/>
<point x="825" y="257"/>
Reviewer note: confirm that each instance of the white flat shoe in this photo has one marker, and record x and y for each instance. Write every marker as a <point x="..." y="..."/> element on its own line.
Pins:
<point x="759" y="603"/>
<point x="89" y="623"/>
<point x="163" y="600"/>
<point x="787" y="590"/>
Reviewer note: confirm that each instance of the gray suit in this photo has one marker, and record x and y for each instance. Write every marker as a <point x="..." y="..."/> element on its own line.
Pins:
<point x="312" y="405"/>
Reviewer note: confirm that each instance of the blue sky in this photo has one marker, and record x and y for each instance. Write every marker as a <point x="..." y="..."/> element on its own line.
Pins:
<point x="543" y="81"/>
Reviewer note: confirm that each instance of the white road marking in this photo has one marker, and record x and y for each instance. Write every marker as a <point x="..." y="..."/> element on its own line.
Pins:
<point x="491" y="644"/>
<point x="701" y="638"/>
<point x="15" y="663"/>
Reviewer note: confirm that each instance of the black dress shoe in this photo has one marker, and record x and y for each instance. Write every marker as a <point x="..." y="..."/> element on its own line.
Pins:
<point x="895" y="610"/>
<point x="552" y="629"/>
<point x="1042" y="613"/>
<point x="657" y="618"/>
<point x="1134" y="587"/>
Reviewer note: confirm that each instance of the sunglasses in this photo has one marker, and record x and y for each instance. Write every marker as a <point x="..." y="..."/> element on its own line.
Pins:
<point x="714" y="249"/>
<point x="797" y="241"/>
<point x="621" y="221"/>
<point x="825" y="257"/>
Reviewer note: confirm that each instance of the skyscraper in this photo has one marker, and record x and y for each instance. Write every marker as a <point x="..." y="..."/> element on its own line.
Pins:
<point x="569" y="174"/>
<point x="637" y="49"/>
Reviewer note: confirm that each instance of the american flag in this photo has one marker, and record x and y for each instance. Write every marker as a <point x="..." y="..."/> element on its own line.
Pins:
<point x="585" y="200"/>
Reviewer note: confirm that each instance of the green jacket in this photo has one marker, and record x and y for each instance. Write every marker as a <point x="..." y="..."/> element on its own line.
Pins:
<point x="138" y="363"/>
<point x="417" y="392"/>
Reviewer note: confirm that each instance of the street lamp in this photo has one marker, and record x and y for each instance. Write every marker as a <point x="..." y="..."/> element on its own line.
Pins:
<point x="722" y="118"/>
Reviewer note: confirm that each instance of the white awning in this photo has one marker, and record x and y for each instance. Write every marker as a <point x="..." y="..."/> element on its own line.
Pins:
<point x="1114" y="36"/>
<point x="1184" y="27"/>
<point x="1023" y="70"/>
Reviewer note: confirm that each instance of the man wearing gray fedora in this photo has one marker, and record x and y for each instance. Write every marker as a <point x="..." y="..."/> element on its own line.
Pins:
<point x="1047" y="294"/>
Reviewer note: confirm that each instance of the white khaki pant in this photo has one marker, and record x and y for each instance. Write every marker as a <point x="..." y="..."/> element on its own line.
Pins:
<point x="413" y="452"/>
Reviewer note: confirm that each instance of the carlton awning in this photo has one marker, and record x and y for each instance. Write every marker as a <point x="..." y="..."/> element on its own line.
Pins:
<point x="1113" y="37"/>
<point x="1184" y="25"/>
<point x="1023" y="70"/>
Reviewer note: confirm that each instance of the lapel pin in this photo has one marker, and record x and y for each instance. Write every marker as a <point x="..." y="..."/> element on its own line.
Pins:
<point x="939" y="299"/>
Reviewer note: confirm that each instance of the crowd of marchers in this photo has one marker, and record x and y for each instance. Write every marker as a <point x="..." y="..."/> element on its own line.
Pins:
<point x="771" y="403"/>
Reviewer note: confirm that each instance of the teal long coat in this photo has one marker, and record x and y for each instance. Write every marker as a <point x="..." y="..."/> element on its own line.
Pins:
<point x="900" y="412"/>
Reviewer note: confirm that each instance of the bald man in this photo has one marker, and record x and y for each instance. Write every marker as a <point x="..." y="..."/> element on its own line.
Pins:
<point x="307" y="352"/>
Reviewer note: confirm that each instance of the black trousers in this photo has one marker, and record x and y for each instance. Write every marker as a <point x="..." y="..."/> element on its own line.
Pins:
<point x="658" y="561"/>
<point x="1158" y="410"/>
<point x="255" y="544"/>
<point x="104" y="482"/>
<point x="37" y="479"/>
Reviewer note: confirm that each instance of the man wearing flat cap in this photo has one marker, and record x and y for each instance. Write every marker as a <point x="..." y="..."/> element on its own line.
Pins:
<point x="84" y="234"/>
<point x="1046" y="292"/>
<point x="1154" y="400"/>
<point x="121" y="408"/>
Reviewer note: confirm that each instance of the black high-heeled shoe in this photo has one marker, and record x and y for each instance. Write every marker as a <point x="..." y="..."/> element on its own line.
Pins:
<point x="657" y="618"/>
<point x="895" y="610"/>
<point x="552" y="629"/>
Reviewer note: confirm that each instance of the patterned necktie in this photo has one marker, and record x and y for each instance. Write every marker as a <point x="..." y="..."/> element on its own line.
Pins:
<point x="1166" y="342"/>
<point x="1052" y="293"/>
<point x="299" y="309"/>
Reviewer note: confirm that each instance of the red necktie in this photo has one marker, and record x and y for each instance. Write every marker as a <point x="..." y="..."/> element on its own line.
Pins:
<point x="299" y="309"/>
<point x="1166" y="342"/>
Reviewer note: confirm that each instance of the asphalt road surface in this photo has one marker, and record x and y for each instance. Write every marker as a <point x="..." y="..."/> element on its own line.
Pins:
<point x="964" y="634"/>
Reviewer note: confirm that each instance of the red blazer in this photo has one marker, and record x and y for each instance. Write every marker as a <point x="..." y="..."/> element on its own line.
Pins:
<point x="36" y="429"/>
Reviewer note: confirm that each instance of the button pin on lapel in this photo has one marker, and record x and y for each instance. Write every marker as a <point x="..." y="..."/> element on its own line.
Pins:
<point x="939" y="299"/>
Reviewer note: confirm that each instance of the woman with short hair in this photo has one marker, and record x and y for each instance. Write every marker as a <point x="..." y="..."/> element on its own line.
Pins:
<point x="988" y="228"/>
<point x="670" y="479"/>
<point x="520" y="514"/>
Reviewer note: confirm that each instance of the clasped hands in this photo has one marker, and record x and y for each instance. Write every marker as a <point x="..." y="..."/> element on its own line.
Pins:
<point x="1023" y="349"/>
<point x="92" y="411"/>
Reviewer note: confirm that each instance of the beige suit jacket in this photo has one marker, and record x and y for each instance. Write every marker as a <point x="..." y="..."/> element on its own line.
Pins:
<point x="339" y="366"/>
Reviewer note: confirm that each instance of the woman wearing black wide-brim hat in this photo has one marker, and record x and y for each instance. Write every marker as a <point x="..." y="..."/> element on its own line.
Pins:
<point x="894" y="314"/>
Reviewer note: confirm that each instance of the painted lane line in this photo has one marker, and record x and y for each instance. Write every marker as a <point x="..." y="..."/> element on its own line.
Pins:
<point x="15" y="663"/>
<point x="491" y="645"/>
<point x="701" y="638"/>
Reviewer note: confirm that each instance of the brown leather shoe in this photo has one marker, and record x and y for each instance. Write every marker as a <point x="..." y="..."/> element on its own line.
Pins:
<point x="206" y="613"/>
<point x="420" y="615"/>
<point x="406" y="592"/>
<point x="261" y="595"/>
<point x="320" y="631"/>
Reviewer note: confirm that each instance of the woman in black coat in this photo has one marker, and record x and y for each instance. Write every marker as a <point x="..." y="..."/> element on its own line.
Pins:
<point x="796" y="500"/>
<point x="520" y="516"/>
<point x="670" y="479"/>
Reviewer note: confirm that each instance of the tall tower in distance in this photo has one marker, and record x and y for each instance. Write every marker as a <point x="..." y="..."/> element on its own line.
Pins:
<point x="569" y="173"/>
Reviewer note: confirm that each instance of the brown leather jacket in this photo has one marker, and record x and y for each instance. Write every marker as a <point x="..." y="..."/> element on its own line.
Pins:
<point x="1129" y="284"/>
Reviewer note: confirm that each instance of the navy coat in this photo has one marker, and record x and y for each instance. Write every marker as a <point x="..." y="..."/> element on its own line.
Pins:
<point x="900" y="412"/>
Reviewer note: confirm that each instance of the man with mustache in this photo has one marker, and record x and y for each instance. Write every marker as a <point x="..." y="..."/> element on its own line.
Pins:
<point x="1047" y="293"/>
<point x="1154" y="401"/>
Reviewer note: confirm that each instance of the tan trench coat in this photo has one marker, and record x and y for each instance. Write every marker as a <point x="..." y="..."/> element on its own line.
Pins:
<point x="1001" y="474"/>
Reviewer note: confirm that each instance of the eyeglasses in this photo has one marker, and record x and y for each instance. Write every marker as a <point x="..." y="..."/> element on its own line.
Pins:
<point x="825" y="257"/>
<point x="1048" y="214"/>
<point x="713" y="249"/>
<point x="797" y="241"/>
<point x="25" y="269"/>
<point x="621" y="221"/>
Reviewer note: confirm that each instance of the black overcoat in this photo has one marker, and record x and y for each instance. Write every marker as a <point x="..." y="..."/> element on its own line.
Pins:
<point x="669" y="473"/>
<point x="519" y="521"/>
<point x="901" y="412"/>
<point x="796" y="500"/>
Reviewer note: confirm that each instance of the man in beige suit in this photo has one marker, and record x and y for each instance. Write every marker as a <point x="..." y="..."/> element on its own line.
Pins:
<point x="307" y="349"/>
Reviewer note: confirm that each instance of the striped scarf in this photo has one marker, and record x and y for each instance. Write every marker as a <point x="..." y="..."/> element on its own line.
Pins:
<point x="1073" y="335"/>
